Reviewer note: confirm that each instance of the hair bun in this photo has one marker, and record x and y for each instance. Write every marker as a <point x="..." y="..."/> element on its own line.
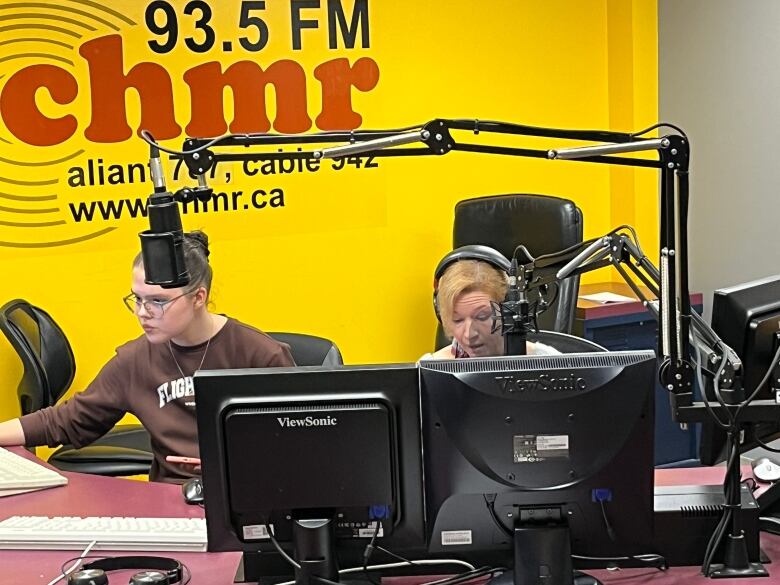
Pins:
<point x="200" y="238"/>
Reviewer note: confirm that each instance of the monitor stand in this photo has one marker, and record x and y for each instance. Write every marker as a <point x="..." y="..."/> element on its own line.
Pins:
<point x="314" y="549"/>
<point x="542" y="553"/>
<point x="314" y="542"/>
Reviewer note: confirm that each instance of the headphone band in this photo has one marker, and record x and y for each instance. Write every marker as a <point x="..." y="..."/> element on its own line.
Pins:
<point x="470" y="252"/>
<point x="171" y="567"/>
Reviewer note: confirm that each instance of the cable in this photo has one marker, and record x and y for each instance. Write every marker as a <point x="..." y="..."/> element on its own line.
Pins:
<point x="189" y="573"/>
<point x="486" y="124"/>
<point x="610" y="531"/>
<point x="290" y="560"/>
<point x="720" y="529"/>
<point x="761" y="384"/>
<point x="705" y="398"/>
<point x="399" y="557"/>
<point x="467" y="576"/>
<point x="367" y="554"/>
<point x="566" y="250"/>
<point x="771" y="520"/>
<point x="525" y="250"/>
<point x="364" y="568"/>
<point x="490" y="502"/>
<point x="149" y="139"/>
<point x="419" y="563"/>
<point x="279" y="548"/>
<point x="764" y="445"/>
<point x="652" y="559"/>
<point x="732" y="447"/>
<point x="661" y="125"/>
<point x="65" y="572"/>
<point x="382" y="567"/>
<point x="750" y="483"/>
<point x="586" y="243"/>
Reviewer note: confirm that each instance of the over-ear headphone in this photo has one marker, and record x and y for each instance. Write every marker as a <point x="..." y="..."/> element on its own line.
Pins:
<point x="159" y="571"/>
<point x="470" y="252"/>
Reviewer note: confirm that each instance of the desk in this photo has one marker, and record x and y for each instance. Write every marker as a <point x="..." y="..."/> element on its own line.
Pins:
<point x="619" y="325"/>
<point x="94" y="495"/>
<point x="90" y="495"/>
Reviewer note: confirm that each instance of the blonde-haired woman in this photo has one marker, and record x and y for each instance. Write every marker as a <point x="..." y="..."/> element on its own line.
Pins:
<point x="468" y="283"/>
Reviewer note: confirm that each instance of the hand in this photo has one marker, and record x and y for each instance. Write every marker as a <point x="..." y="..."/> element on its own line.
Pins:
<point x="193" y="461"/>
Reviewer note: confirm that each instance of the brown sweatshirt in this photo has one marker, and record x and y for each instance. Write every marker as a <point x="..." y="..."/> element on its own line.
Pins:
<point x="144" y="379"/>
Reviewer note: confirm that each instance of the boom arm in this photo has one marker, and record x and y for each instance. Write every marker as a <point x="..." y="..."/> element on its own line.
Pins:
<point x="437" y="137"/>
<point x="669" y="283"/>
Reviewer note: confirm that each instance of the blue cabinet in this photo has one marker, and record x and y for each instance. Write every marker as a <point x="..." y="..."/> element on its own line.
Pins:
<point x="626" y="326"/>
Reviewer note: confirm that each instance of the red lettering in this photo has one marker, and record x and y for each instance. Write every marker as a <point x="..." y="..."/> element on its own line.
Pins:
<point x="337" y="79"/>
<point x="248" y="82"/>
<point x="108" y="85"/>
<point x="21" y="114"/>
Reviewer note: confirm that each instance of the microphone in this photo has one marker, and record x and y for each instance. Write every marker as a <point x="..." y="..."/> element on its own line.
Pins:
<point x="162" y="245"/>
<point x="514" y="315"/>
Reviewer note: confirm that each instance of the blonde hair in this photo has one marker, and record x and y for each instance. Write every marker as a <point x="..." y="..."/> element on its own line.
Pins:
<point x="466" y="276"/>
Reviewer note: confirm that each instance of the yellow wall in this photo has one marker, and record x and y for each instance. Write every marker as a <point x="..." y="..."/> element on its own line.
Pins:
<point x="350" y="255"/>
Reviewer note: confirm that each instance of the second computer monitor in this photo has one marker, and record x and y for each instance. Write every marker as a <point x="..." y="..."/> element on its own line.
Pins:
<point x="528" y="459"/>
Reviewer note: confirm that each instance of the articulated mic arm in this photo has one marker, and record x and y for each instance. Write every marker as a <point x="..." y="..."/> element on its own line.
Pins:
<point x="622" y="251"/>
<point x="437" y="137"/>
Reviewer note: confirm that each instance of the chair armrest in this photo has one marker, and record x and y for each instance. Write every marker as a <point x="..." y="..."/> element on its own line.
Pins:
<point x="102" y="460"/>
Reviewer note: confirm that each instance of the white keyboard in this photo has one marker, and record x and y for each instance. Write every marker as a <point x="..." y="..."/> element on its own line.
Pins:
<point x="110" y="533"/>
<point x="16" y="472"/>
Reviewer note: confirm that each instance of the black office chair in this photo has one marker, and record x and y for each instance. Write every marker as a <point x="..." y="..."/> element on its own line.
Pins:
<point x="49" y="368"/>
<point x="310" y="350"/>
<point x="542" y="223"/>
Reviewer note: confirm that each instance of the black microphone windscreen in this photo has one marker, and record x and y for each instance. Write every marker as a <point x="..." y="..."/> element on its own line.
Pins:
<point x="162" y="245"/>
<point x="163" y="257"/>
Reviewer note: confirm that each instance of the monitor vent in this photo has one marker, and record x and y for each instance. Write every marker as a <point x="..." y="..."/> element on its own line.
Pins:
<point x="537" y="362"/>
<point x="701" y="511"/>
<point x="314" y="407"/>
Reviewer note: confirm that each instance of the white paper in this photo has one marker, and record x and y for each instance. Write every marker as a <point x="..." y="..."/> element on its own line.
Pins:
<point x="607" y="297"/>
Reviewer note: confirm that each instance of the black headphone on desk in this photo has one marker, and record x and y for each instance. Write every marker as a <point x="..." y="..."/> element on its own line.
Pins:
<point x="470" y="252"/>
<point x="159" y="571"/>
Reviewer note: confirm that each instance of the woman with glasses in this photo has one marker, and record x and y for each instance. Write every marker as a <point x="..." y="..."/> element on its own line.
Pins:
<point x="151" y="376"/>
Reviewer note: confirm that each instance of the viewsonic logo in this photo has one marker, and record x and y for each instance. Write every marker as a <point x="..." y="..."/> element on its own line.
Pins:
<point x="309" y="421"/>
<point x="543" y="383"/>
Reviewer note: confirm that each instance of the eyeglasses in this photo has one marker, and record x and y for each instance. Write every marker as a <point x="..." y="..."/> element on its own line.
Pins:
<point x="155" y="309"/>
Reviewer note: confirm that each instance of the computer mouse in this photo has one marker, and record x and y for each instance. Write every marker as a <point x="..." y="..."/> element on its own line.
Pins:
<point x="766" y="470"/>
<point x="192" y="490"/>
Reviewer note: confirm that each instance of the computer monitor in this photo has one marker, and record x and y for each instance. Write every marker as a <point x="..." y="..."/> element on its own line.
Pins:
<point x="747" y="318"/>
<point x="530" y="459"/>
<point x="319" y="455"/>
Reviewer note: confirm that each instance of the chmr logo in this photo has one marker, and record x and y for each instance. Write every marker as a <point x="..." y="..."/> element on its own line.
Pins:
<point x="109" y="82"/>
<point x="309" y="421"/>
<point x="109" y="78"/>
<point x="77" y="75"/>
<point x="542" y="383"/>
